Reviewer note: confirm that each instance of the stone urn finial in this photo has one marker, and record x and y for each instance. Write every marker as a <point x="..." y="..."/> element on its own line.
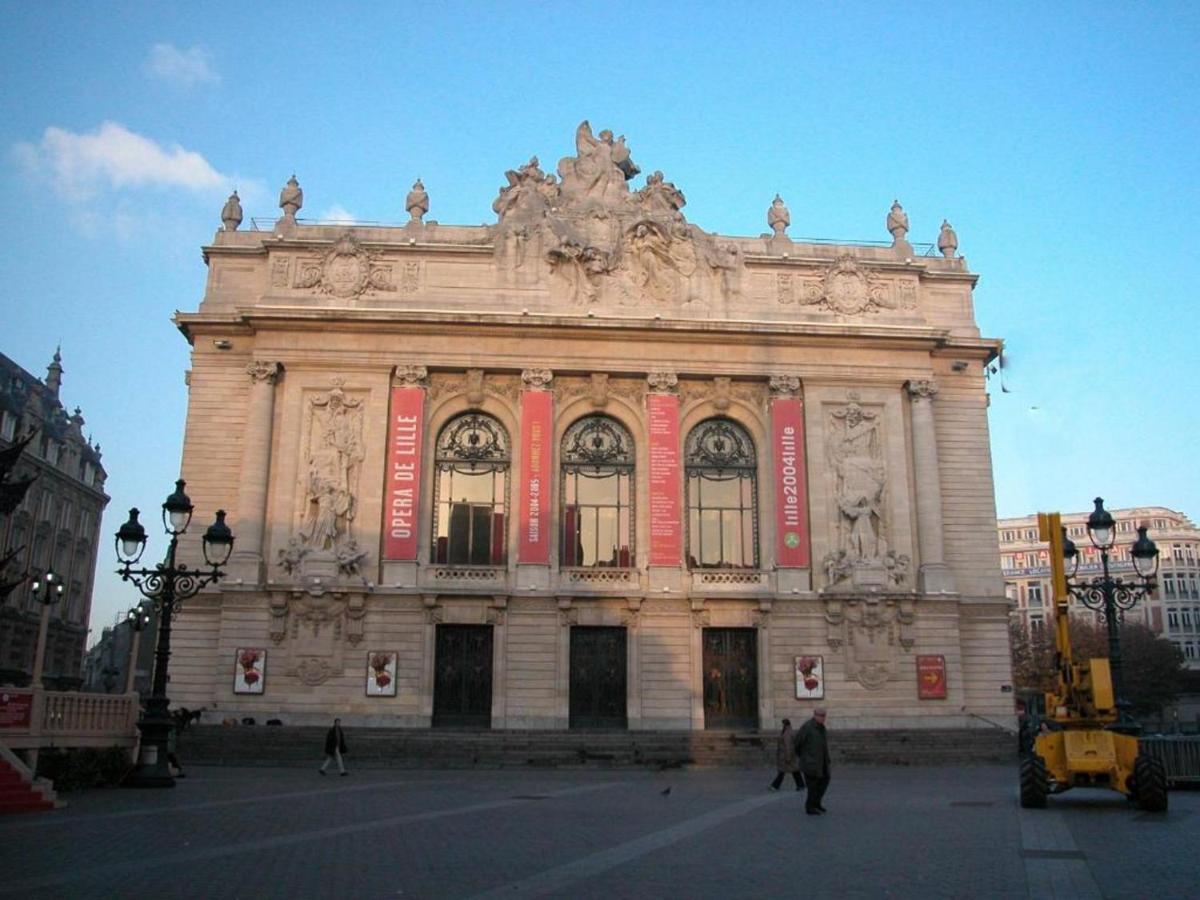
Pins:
<point x="291" y="198"/>
<point x="947" y="240"/>
<point x="417" y="203"/>
<point x="231" y="213"/>
<point x="778" y="217"/>
<point x="897" y="222"/>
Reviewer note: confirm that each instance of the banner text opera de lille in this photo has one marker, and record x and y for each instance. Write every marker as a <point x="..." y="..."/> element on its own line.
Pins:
<point x="405" y="440"/>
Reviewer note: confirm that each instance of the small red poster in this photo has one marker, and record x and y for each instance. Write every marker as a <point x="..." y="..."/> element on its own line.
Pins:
<point x="16" y="709"/>
<point x="791" y="483"/>
<point x="931" y="677"/>
<point x="666" y="544"/>
<point x="536" y="428"/>
<point x="403" y="473"/>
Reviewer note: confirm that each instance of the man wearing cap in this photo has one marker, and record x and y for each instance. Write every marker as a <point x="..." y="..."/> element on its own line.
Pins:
<point x="812" y="747"/>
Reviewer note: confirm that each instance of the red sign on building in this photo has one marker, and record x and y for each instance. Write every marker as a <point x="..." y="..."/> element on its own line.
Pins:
<point x="791" y="483"/>
<point x="403" y="491"/>
<point x="536" y="429"/>
<point x="666" y="545"/>
<point x="931" y="677"/>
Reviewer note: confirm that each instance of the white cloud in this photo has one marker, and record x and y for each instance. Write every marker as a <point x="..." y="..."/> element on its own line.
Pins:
<point x="186" y="68"/>
<point x="114" y="157"/>
<point x="337" y="213"/>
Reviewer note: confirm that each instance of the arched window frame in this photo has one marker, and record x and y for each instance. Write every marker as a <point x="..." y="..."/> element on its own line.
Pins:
<point x="721" y="449"/>
<point x="593" y="447"/>
<point x="472" y="444"/>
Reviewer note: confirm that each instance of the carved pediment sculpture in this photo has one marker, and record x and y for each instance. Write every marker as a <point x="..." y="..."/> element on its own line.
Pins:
<point x="602" y="242"/>
<point x="872" y="632"/>
<point x="846" y="289"/>
<point x="346" y="270"/>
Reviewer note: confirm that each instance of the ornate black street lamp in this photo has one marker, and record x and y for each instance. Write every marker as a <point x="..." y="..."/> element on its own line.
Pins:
<point x="47" y="591"/>
<point x="166" y="586"/>
<point x="1112" y="597"/>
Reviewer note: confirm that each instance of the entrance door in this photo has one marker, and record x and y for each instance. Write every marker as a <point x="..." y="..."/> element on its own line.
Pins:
<point x="598" y="677"/>
<point x="730" y="678"/>
<point x="462" y="677"/>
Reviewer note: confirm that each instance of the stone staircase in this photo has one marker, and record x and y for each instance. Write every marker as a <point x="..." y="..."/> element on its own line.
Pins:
<point x="251" y="745"/>
<point x="21" y="793"/>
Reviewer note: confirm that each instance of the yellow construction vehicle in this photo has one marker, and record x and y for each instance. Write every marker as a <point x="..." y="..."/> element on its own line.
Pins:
<point x="1082" y="741"/>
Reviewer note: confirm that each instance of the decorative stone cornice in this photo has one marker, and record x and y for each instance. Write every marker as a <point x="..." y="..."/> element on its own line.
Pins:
<point x="260" y="370"/>
<point x="784" y="385"/>
<point x="536" y="379"/>
<point x="410" y="376"/>
<point x="923" y="389"/>
<point x="662" y="382"/>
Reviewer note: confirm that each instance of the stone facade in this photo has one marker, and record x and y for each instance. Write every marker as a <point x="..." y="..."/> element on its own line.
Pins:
<point x="56" y="527"/>
<point x="350" y="385"/>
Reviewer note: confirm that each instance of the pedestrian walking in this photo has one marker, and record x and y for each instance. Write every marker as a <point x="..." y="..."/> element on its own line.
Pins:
<point x="335" y="747"/>
<point x="785" y="758"/>
<point x="812" y="748"/>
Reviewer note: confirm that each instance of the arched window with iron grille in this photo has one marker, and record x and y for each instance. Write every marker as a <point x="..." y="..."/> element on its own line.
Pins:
<point x="596" y="514"/>
<point x="722" y="496"/>
<point x="470" y="494"/>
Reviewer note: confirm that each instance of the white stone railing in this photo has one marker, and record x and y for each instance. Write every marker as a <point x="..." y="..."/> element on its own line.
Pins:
<point x="68" y="719"/>
<point x="730" y="580"/>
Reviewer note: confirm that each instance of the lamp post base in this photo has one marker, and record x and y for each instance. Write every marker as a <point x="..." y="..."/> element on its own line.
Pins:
<point x="153" y="769"/>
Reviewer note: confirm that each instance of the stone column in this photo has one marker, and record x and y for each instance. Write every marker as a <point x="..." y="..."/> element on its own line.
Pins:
<point x="247" y="561"/>
<point x="934" y="575"/>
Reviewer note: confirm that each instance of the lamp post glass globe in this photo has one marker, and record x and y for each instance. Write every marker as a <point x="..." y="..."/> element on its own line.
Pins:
<point x="1070" y="555"/>
<point x="1100" y="526"/>
<point x="177" y="510"/>
<point x="1145" y="554"/>
<point x="131" y="539"/>
<point x="218" y="541"/>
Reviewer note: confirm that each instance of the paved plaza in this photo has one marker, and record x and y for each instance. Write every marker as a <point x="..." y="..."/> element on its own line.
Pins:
<point x="890" y="832"/>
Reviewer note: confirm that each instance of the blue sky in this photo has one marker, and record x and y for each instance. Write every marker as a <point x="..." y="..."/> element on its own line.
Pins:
<point x="1059" y="139"/>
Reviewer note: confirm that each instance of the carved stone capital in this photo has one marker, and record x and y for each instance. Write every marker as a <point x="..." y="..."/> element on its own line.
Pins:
<point x="923" y="389"/>
<point x="261" y="370"/>
<point x="784" y="385"/>
<point x="662" y="382"/>
<point x="701" y="618"/>
<point x="410" y="376"/>
<point x="536" y="379"/>
<point x="568" y="617"/>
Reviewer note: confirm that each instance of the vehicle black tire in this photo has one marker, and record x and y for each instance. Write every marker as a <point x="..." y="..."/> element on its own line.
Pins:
<point x="1150" y="783"/>
<point x="1035" y="783"/>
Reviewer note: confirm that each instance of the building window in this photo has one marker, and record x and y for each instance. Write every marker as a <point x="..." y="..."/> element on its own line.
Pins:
<point x="597" y="494"/>
<point x="1168" y="585"/>
<point x="1185" y="618"/>
<point x="1036" y="623"/>
<point x="1172" y="618"/>
<point x="722" y="496"/>
<point x="1035" y="594"/>
<point x="8" y="425"/>
<point x="471" y="465"/>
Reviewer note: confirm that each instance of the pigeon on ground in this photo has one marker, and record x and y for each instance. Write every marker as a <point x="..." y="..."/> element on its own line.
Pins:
<point x="666" y="792"/>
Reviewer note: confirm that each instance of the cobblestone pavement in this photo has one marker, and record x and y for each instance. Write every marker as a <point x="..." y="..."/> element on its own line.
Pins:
<point x="890" y="832"/>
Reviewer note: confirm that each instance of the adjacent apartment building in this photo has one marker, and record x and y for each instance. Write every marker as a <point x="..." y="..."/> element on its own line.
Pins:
<point x="591" y="466"/>
<point x="56" y="527"/>
<point x="1173" y="610"/>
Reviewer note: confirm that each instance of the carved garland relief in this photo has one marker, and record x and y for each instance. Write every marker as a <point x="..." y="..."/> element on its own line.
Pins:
<point x="348" y="270"/>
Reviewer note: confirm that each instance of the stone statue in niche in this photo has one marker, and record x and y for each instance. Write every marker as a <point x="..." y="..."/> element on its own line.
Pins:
<point x="854" y="450"/>
<point x="335" y="455"/>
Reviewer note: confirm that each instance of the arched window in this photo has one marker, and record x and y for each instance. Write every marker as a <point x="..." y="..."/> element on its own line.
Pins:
<point x="722" y="496"/>
<point x="597" y="494"/>
<point x="471" y="492"/>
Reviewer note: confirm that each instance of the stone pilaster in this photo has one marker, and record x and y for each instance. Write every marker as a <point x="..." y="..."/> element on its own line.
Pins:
<point x="247" y="561"/>
<point x="934" y="575"/>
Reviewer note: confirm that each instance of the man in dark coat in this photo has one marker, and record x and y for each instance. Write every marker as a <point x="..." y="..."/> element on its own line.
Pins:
<point x="812" y="747"/>
<point x="335" y="746"/>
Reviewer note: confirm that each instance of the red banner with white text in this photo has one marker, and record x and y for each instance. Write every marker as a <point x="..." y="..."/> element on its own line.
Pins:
<point x="537" y="409"/>
<point x="403" y="492"/>
<point x="666" y="522"/>
<point x="791" y="483"/>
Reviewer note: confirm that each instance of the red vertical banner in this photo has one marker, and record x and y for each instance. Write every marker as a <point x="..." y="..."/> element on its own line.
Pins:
<point x="931" y="678"/>
<point x="537" y="410"/>
<point x="403" y="491"/>
<point x="666" y="522"/>
<point x="791" y="483"/>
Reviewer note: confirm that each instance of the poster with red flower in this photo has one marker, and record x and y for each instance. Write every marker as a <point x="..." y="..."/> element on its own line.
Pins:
<point x="810" y="677"/>
<point x="249" y="670"/>
<point x="381" y="673"/>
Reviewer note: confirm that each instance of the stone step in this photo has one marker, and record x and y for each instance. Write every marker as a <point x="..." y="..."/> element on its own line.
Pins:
<point x="394" y="747"/>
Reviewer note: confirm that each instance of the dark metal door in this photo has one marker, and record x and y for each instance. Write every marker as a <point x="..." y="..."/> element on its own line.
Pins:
<point x="598" y="677"/>
<point x="462" y="677"/>
<point x="730" y="678"/>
